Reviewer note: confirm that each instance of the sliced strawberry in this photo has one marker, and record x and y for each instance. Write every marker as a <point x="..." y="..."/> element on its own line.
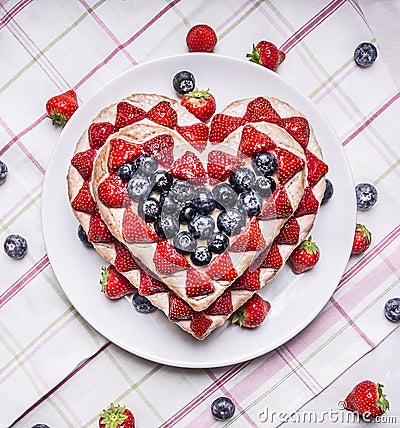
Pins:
<point x="135" y="230"/>
<point x="200" y="324"/>
<point x="288" y="164"/>
<point x="220" y="165"/>
<point x="250" y="280"/>
<point x="198" y="284"/>
<point x="121" y="152"/>
<point x="189" y="168"/>
<point x="84" y="201"/>
<point x="98" y="231"/>
<point x="222" y="306"/>
<point x="196" y="134"/>
<point x="277" y="206"/>
<point x="178" y="309"/>
<point x="163" y="114"/>
<point x="149" y="285"/>
<point x="253" y="141"/>
<point x="308" y="204"/>
<point x="161" y="148"/>
<point x="222" y="125"/>
<point x="83" y="162"/>
<point x="112" y="192"/>
<point x="316" y="168"/>
<point x="251" y="239"/>
<point x="221" y="268"/>
<point x="114" y="285"/>
<point x="298" y="128"/>
<point x="260" y="110"/>
<point x="289" y="234"/>
<point x="167" y="260"/>
<point x="124" y="261"/>
<point x="273" y="259"/>
<point x="98" y="134"/>
<point x="127" y="114"/>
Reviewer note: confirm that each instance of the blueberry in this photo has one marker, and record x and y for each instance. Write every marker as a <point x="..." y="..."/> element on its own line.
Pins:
<point x="15" y="246"/>
<point x="366" y="196"/>
<point x="183" y="82"/>
<point x="222" y="408"/>
<point x="127" y="171"/>
<point x="365" y="54"/>
<point x="264" y="164"/>
<point x="3" y="172"/>
<point x="203" y="201"/>
<point x="185" y="243"/>
<point x="138" y="187"/>
<point x="149" y="209"/>
<point x="328" y="191"/>
<point x="187" y="213"/>
<point x="83" y="237"/>
<point x="218" y="242"/>
<point x="201" y="256"/>
<point x="201" y="226"/>
<point x="40" y="426"/>
<point x="265" y="186"/>
<point x="231" y="221"/>
<point x="161" y="181"/>
<point x="166" y="226"/>
<point x="142" y="304"/>
<point x="182" y="190"/>
<point x="168" y="204"/>
<point x="224" y="196"/>
<point x="242" y="179"/>
<point x="146" y="165"/>
<point x="392" y="309"/>
<point x="250" y="202"/>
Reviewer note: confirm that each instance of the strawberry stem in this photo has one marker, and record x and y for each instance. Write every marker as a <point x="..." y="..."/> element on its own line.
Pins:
<point x="104" y="278"/>
<point x="254" y="56"/>
<point x="364" y="230"/>
<point x="382" y="402"/>
<point x="309" y="246"/>
<point x="238" y="317"/>
<point x="57" y="118"/>
<point x="199" y="94"/>
<point x="113" y="416"/>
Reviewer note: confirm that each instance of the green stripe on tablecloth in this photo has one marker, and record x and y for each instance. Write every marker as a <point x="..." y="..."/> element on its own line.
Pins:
<point x="19" y="213"/>
<point x="181" y="15"/>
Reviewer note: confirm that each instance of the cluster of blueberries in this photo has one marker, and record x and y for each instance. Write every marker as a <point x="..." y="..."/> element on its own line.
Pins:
<point x="169" y="203"/>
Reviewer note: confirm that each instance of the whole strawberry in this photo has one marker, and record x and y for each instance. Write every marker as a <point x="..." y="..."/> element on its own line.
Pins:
<point x="266" y="54"/>
<point x="367" y="398"/>
<point x="200" y="103"/>
<point x="61" y="107"/>
<point x="252" y="313"/>
<point x="116" y="417"/>
<point x="114" y="285"/>
<point x="362" y="239"/>
<point x="305" y="256"/>
<point x="201" y="38"/>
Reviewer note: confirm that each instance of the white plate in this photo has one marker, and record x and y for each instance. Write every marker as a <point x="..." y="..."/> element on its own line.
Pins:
<point x="296" y="300"/>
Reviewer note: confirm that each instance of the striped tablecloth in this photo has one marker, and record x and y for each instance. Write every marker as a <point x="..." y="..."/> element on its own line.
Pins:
<point x="54" y="368"/>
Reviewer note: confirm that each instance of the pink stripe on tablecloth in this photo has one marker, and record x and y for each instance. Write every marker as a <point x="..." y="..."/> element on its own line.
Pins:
<point x="13" y="12"/>
<point x="358" y="9"/>
<point x="371" y="118"/>
<point x="24" y="280"/>
<point x="311" y="24"/>
<point x="274" y="23"/>
<point x="233" y="16"/>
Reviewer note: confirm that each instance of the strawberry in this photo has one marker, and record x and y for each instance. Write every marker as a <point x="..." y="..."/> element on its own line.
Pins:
<point x="289" y="234"/>
<point x="189" y="167"/>
<point x="148" y="285"/>
<point x="298" y="128"/>
<point x="98" y="133"/>
<point x="84" y="201"/>
<point x="196" y="134"/>
<point x="124" y="261"/>
<point x="114" y="285"/>
<point x="266" y="54"/>
<point x="250" y="239"/>
<point x="161" y="147"/>
<point x="277" y="206"/>
<point x="61" y="107"/>
<point x="273" y="259"/>
<point x="221" y="268"/>
<point x="368" y="399"/>
<point x="167" y="260"/>
<point x="362" y="239"/>
<point x="288" y="164"/>
<point x="252" y="313"/>
<point x="201" y="38"/>
<point x="260" y="110"/>
<point x="308" y="204"/>
<point x="197" y="283"/>
<point x="135" y="230"/>
<point x="250" y="280"/>
<point x="116" y="417"/>
<point x="121" y="152"/>
<point x="178" y="309"/>
<point x="200" y="103"/>
<point x="199" y="324"/>
<point x="222" y="125"/>
<point x="127" y="114"/>
<point x="253" y="141"/>
<point x="222" y="306"/>
<point x="83" y="162"/>
<point x="112" y="192"/>
<point x="220" y="165"/>
<point x="98" y="231"/>
<point x="316" y="169"/>
<point x="163" y="114"/>
<point x="305" y="256"/>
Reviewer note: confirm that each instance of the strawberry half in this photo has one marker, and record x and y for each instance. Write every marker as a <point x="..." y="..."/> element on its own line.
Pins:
<point x="121" y="152"/>
<point x="112" y="192"/>
<point x="163" y="114"/>
<point x="61" y="107"/>
<point x="135" y="230"/>
<point x="222" y="306"/>
<point x="252" y="313"/>
<point x="200" y="103"/>
<point x="98" y="232"/>
<point x="308" y="204"/>
<point x="200" y="324"/>
<point x="116" y="417"/>
<point x="289" y="234"/>
<point x="124" y="261"/>
<point x="250" y="280"/>
<point x="178" y="309"/>
<point x="298" y="128"/>
<point x="253" y="141"/>
<point x="260" y="110"/>
<point x="316" y="169"/>
<point x="127" y="114"/>
<point x="84" y="201"/>
<point x="221" y="268"/>
<point x="196" y="135"/>
<point x="167" y="260"/>
<point x="98" y="133"/>
<point x="83" y="162"/>
<point x="266" y="54"/>
<point x="250" y="239"/>
<point x="222" y="125"/>
<point x="114" y="285"/>
<point x="277" y="206"/>
<point x="161" y="148"/>
<point x="198" y="283"/>
<point x="288" y="164"/>
<point x="220" y="165"/>
<point x="273" y="259"/>
<point x="189" y="167"/>
<point x="362" y="239"/>
<point x="305" y="256"/>
<point x="149" y="285"/>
